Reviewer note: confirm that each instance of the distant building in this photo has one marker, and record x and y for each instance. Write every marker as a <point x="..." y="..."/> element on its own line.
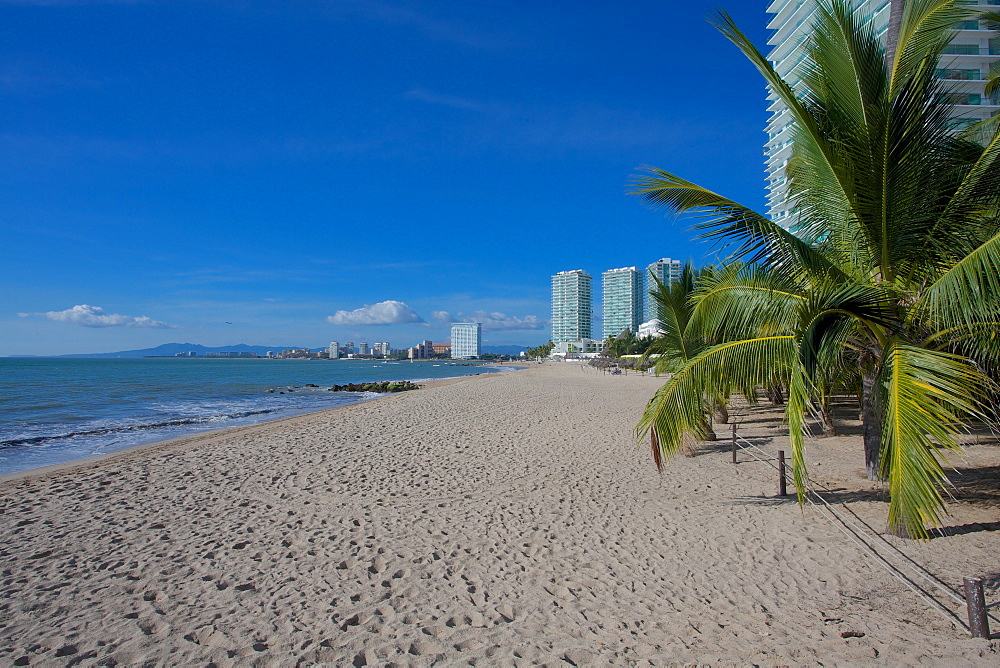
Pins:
<point x="651" y="328"/>
<point x="442" y="348"/>
<point x="348" y="348"/>
<point x="578" y="348"/>
<point x="466" y="340"/>
<point x="231" y="354"/>
<point x="187" y="353"/>
<point x="363" y="348"/>
<point x="334" y="350"/>
<point x="667" y="271"/>
<point x="421" y="351"/>
<point x="572" y="310"/>
<point x="622" y="301"/>
<point x="381" y="348"/>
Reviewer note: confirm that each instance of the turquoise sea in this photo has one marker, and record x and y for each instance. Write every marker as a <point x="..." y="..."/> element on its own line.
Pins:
<point x="56" y="410"/>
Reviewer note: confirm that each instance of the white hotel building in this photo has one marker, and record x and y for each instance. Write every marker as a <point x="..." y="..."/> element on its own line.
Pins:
<point x="622" y="301"/>
<point x="572" y="311"/>
<point x="466" y="340"/>
<point x="965" y="65"/>
<point x="666" y="271"/>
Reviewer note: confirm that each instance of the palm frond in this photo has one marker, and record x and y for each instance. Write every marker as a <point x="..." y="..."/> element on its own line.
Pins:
<point x="809" y="137"/>
<point x="965" y="291"/>
<point x="833" y="311"/>
<point x="797" y="409"/>
<point x="924" y="33"/>
<point x="925" y="394"/>
<point x="677" y="409"/>
<point x="751" y="237"/>
<point x="746" y="298"/>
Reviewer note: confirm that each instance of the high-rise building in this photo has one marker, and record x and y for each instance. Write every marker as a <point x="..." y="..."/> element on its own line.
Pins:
<point x="466" y="340"/>
<point x="381" y="348"/>
<point x="348" y="347"/>
<point x="964" y="66"/>
<point x="571" y="306"/>
<point x="666" y="271"/>
<point x="334" y="350"/>
<point x="363" y="348"/>
<point x="622" y="301"/>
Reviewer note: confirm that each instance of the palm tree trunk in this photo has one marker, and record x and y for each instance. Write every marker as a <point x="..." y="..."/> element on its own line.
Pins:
<point x="776" y="394"/>
<point x="872" y="425"/>
<point x="892" y="33"/>
<point x="829" y="428"/>
<point x="721" y="413"/>
<point x="705" y="431"/>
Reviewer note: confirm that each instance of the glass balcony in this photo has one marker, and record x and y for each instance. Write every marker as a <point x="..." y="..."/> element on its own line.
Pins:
<point x="959" y="75"/>
<point x="964" y="99"/>
<point x="960" y="123"/>
<point x="963" y="50"/>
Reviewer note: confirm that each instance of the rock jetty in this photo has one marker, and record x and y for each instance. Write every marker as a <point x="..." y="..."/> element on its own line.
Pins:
<point x="382" y="387"/>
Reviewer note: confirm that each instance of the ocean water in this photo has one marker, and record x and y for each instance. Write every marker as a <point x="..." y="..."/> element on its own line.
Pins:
<point x="56" y="410"/>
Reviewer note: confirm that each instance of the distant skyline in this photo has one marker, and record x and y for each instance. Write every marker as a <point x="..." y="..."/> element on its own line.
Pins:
<point x="312" y="171"/>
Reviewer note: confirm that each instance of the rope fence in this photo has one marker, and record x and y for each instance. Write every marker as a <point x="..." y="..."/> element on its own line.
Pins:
<point x="879" y="549"/>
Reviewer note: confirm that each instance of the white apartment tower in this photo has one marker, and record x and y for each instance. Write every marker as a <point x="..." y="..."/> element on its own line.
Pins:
<point x="571" y="306"/>
<point x="466" y="340"/>
<point x="334" y="350"/>
<point x="667" y="271"/>
<point x="622" y="301"/>
<point x="964" y="65"/>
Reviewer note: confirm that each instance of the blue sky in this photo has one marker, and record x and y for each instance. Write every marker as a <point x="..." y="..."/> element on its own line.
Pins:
<point x="222" y="172"/>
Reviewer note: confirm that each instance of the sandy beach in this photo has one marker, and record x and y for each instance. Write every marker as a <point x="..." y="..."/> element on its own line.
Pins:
<point x="505" y="519"/>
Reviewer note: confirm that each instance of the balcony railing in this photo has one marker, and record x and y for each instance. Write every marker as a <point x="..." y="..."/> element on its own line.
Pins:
<point x="970" y="50"/>
<point x="960" y="75"/>
<point x="969" y="99"/>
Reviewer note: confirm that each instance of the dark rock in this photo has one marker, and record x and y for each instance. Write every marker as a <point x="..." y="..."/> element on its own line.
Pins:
<point x="383" y="387"/>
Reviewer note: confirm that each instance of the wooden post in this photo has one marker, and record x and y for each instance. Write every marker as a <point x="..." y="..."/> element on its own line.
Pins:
<point x="975" y="601"/>
<point x="782" y="491"/>
<point x="734" y="441"/>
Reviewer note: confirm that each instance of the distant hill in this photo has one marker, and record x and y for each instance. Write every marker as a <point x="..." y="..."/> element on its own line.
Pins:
<point x="171" y="349"/>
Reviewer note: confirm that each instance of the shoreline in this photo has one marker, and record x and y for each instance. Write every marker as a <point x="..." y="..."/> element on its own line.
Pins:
<point x="189" y="439"/>
<point x="509" y="521"/>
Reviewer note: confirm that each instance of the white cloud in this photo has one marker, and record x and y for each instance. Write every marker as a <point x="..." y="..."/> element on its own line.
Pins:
<point x="94" y="316"/>
<point x="493" y="320"/>
<point x="496" y="320"/>
<point x="443" y="317"/>
<point x="390" y="312"/>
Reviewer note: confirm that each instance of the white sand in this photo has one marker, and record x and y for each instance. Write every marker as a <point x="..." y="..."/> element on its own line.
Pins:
<point x="501" y="520"/>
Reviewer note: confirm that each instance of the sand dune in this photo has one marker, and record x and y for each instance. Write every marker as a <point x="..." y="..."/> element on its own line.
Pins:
<point x="502" y="520"/>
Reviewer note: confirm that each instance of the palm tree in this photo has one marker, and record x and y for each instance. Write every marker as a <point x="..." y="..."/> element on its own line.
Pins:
<point x="894" y="269"/>
<point x="679" y="341"/>
<point x="674" y="304"/>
